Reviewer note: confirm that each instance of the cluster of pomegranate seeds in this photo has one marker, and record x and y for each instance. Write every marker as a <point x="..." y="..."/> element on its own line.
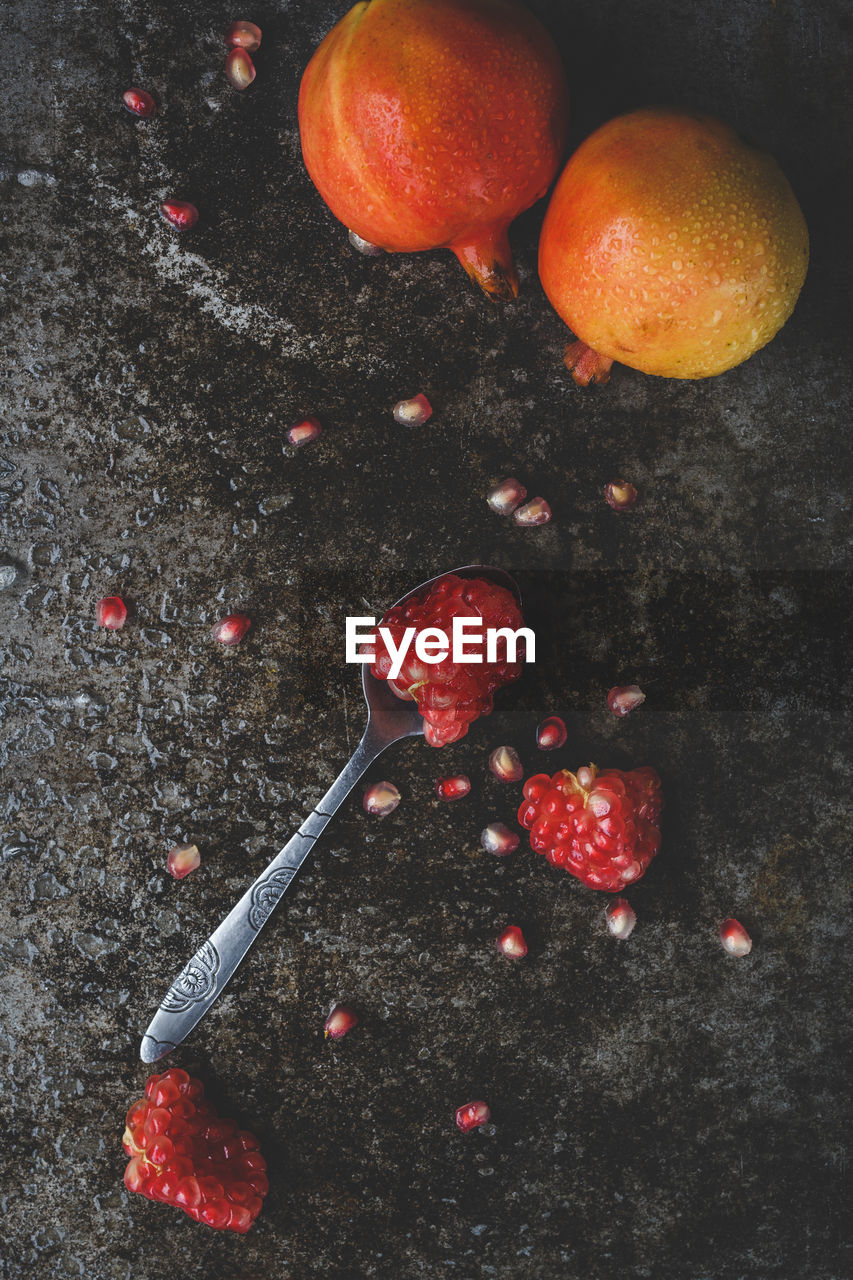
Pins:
<point x="180" y="214"/>
<point x="506" y="496"/>
<point x="497" y="838"/>
<point x="414" y="412"/>
<point x="472" y="1116"/>
<point x="364" y="246"/>
<point x="239" y="69"/>
<point x="139" y="102"/>
<point x="230" y="629"/>
<point x="243" y="35"/>
<point x="621" y="917"/>
<point x="535" y="512"/>
<point x="182" y="1154"/>
<point x="304" y="431"/>
<point x="601" y="826"/>
<point x="625" y="698"/>
<point x="111" y="612"/>
<point x="735" y="938"/>
<point x="620" y="495"/>
<point x="511" y="943"/>
<point x="454" y="787"/>
<point x="551" y="734"/>
<point x="381" y="799"/>
<point x="449" y="695"/>
<point x="183" y="859"/>
<point x="339" y="1022"/>
<point x="505" y="764"/>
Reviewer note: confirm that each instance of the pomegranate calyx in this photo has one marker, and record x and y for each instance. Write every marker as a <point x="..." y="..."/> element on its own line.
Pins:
<point x="586" y="365"/>
<point x="488" y="260"/>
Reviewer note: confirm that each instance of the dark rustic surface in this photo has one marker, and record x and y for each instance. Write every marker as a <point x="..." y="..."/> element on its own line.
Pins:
<point x="660" y="1110"/>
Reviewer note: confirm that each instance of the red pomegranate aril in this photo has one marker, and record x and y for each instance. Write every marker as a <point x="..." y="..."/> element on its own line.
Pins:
<point x="111" y="613"/>
<point x="243" y="35"/>
<point x="231" y="629"/>
<point x="364" y="246"/>
<point x="505" y="764"/>
<point x="620" y="495"/>
<point x="240" y="69"/>
<point x="472" y="1116"/>
<point x="535" y="512"/>
<point x="625" y="698"/>
<point x="183" y="859"/>
<point x="621" y="917"/>
<point x="497" y="839"/>
<point x="511" y="943"/>
<point x="339" y="1022"/>
<point x="180" y="214"/>
<point x="454" y="787"/>
<point x="139" y="103"/>
<point x="735" y="938"/>
<point x="506" y="496"/>
<point x="381" y="799"/>
<point x="551" y="734"/>
<point x="304" y="431"/>
<point x="414" y="412"/>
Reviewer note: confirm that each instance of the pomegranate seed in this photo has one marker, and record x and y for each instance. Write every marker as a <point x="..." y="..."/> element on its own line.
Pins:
<point x="180" y="214"/>
<point x="620" y="495"/>
<point x="586" y="777"/>
<point x="243" y="35"/>
<point x="621" y="917"/>
<point x="497" y="838"/>
<point x="364" y="246"/>
<point x="414" y="412"/>
<point x="231" y="629"/>
<point x="183" y="859"/>
<point x="111" y="613"/>
<point x="551" y="734"/>
<point x="506" y="496"/>
<point x="139" y="103"/>
<point x="505" y="764"/>
<point x="381" y="799"/>
<point x="240" y="69"/>
<point x="532" y="513"/>
<point x="453" y="788"/>
<point x="735" y="938"/>
<point x="511" y="943"/>
<point x="339" y="1022"/>
<point x="472" y="1116"/>
<point x="304" y="431"/>
<point x="625" y="698"/>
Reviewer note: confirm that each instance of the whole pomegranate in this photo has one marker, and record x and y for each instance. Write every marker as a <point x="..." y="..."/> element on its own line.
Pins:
<point x="433" y="123"/>
<point x="672" y="246"/>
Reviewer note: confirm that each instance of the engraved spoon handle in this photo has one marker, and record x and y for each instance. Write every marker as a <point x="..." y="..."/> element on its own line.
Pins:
<point x="203" y="978"/>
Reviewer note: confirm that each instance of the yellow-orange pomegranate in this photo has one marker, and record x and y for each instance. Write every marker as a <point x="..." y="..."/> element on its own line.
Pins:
<point x="672" y="246"/>
<point x="434" y="123"/>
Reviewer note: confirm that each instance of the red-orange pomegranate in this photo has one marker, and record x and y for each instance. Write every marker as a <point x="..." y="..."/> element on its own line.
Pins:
<point x="432" y="124"/>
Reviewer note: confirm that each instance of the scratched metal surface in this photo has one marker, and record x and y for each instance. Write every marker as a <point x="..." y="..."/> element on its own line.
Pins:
<point x="658" y="1109"/>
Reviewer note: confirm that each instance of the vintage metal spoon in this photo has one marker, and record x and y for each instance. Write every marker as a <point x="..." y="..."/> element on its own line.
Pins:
<point x="203" y="978"/>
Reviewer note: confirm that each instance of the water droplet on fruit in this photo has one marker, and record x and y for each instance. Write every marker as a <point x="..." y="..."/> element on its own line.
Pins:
<point x="231" y="629"/>
<point x="414" y="412"/>
<point x="551" y="734"/>
<point x="381" y="799"/>
<point x="735" y="938"/>
<point x="364" y="246"/>
<point x="621" y="917"/>
<point x="339" y="1022"/>
<point x="472" y="1115"/>
<point x="511" y="943"/>
<point x="453" y="787"/>
<point x="497" y="838"/>
<point x="625" y="698"/>
<point x="183" y="859"/>
<point x="243" y="35"/>
<point x="304" y="431"/>
<point x="111" y="613"/>
<point x="620" y="495"/>
<point x="180" y="214"/>
<point x="139" y="103"/>
<point x="535" y="512"/>
<point x="239" y="69"/>
<point x="506" y="496"/>
<point x="506" y="765"/>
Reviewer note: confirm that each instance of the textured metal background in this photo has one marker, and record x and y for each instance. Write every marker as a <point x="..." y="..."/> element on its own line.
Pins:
<point x="659" y="1110"/>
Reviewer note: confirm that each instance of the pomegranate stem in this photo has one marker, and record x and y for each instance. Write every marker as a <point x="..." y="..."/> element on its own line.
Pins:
<point x="586" y="365"/>
<point x="488" y="260"/>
